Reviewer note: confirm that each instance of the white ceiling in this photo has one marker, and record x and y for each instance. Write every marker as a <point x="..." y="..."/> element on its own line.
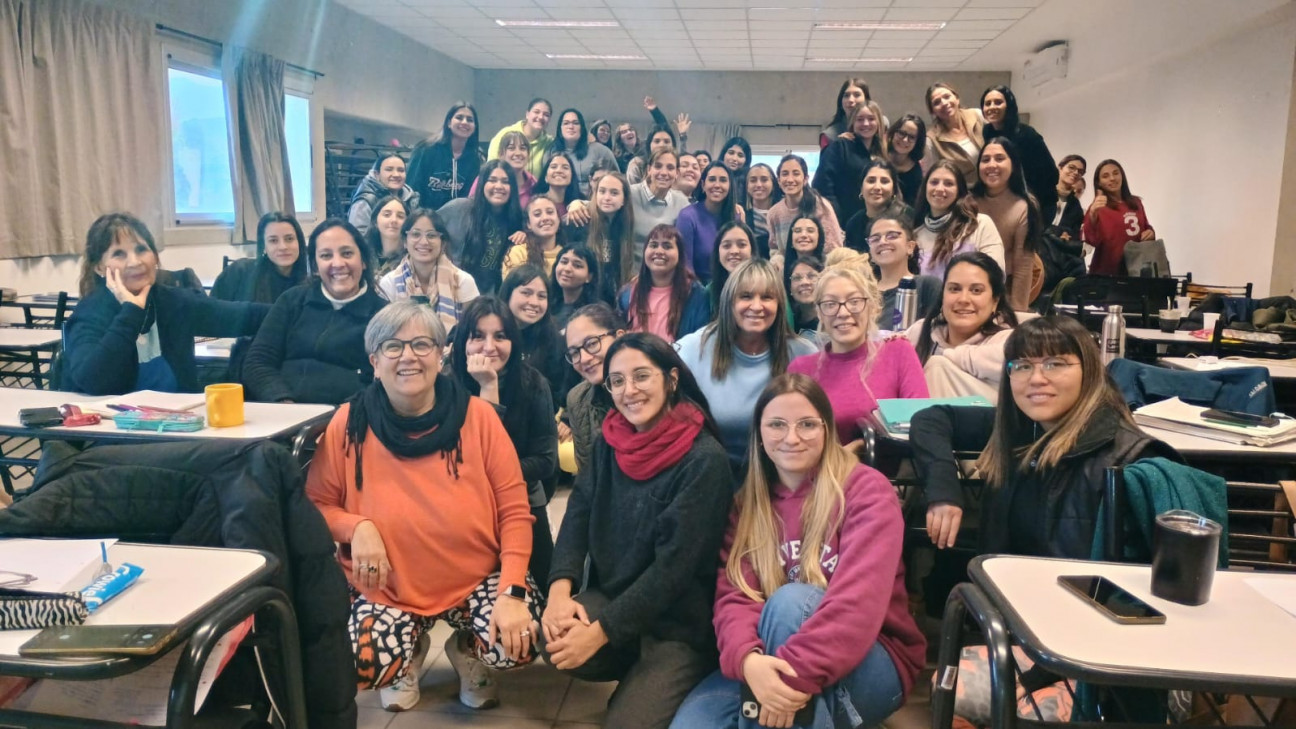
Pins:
<point x="719" y="35"/>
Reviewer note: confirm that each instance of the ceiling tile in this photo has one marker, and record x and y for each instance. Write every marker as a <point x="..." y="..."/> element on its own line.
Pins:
<point x="983" y="35"/>
<point x="847" y="15"/>
<point x="726" y="14"/>
<point x="904" y="34"/>
<point x="927" y="3"/>
<point x="1005" y="3"/>
<point x="919" y="15"/>
<point x="956" y="44"/>
<point x="999" y="25"/>
<point x="992" y="13"/>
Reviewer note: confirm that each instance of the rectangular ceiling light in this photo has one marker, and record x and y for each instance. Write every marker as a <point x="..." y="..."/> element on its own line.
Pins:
<point x="557" y="23"/>
<point x="591" y="57"/>
<point x="896" y="59"/>
<point x="878" y="26"/>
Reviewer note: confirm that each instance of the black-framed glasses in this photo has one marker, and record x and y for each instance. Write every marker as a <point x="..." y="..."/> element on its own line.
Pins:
<point x="905" y="136"/>
<point x="854" y="305"/>
<point x="592" y="344"/>
<point x="640" y="377"/>
<point x="1022" y="369"/>
<point x="394" y="348"/>
<point x="891" y="236"/>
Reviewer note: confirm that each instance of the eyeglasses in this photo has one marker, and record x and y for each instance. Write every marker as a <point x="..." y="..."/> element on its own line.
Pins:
<point x="806" y="428"/>
<point x="854" y="305"/>
<point x="905" y="136"/>
<point x="15" y="579"/>
<point x="394" y="348"/>
<point x="592" y="344"/>
<point x="804" y="277"/>
<point x="1022" y="369"/>
<point x="640" y="378"/>
<point x="418" y="235"/>
<point x="894" y="236"/>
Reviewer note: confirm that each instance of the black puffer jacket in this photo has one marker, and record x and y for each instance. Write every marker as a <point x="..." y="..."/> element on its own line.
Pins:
<point x="210" y="494"/>
<point x="1064" y="499"/>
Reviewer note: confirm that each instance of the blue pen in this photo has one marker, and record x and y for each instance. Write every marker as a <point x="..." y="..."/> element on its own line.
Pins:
<point x="105" y="568"/>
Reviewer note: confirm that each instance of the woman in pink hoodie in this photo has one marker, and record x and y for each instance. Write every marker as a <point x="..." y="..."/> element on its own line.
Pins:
<point x="832" y="635"/>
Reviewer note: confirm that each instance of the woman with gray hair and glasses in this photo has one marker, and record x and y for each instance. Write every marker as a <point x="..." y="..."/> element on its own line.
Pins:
<point x="420" y="485"/>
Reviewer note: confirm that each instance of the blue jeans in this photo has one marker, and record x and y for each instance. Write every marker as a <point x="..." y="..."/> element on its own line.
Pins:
<point x="864" y="697"/>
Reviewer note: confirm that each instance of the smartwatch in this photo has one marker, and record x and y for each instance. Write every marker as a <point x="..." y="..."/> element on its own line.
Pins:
<point x="515" y="591"/>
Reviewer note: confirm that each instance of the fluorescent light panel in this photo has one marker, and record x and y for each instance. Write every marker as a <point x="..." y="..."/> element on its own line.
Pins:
<point x="894" y="59"/>
<point x="879" y="26"/>
<point x="557" y="23"/>
<point x="591" y="57"/>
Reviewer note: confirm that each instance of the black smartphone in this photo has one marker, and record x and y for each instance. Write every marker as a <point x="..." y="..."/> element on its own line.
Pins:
<point x="98" y="640"/>
<point x="1233" y="417"/>
<point x="1112" y="600"/>
<point x="40" y="417"/>
<point x="751" y="708"/>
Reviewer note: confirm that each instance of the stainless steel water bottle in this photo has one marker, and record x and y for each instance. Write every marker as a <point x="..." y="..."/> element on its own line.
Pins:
<point x="906" y="304"/>
<point x="1112" y="339"/>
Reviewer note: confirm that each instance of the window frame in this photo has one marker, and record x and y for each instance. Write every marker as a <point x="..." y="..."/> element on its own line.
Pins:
<point x="204" y="62"/>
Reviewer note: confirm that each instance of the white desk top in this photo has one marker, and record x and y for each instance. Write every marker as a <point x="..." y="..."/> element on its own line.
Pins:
<point x="1237" y="633"/>
<point x="1279" y="369"/>
<point x="1194" y="445"/>
<point x="1156" y="335"/>
<point x="18" y="338"/>
<point x="177" y="582"/>
<point x="261" y="419"/>
<point x="214" y="349"/>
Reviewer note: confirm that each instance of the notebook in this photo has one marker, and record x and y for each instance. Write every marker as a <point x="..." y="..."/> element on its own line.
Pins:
<point x="1177" y="415"/>
<point x="895" y="414"/>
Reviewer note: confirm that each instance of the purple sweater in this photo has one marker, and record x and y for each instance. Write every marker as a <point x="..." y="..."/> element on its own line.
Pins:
<point x="865" y="601"/>
<point x="894" y="371"/>
<point x="698" y="229"/>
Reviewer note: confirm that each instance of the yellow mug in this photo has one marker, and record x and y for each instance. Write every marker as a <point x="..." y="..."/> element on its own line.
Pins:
<point x="224" y="405"/>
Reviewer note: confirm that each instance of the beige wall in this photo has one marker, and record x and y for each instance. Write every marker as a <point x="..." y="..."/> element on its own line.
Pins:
<point x="1203" y="137"/>
<point x="1283" y="279"/>
<point x="753" y="97"/>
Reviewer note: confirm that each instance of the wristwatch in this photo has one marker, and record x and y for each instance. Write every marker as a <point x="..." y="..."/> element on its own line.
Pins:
<point x="515" y="591"/>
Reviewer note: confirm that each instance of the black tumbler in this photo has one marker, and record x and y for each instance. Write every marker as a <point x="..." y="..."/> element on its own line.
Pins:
<point x="1185" y="551"/>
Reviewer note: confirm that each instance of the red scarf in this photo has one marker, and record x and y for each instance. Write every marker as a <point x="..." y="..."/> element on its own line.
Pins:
<point x="644" y="455"/>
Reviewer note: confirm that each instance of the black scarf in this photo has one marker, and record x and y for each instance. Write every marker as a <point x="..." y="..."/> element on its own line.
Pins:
<point x="439" y="427"/>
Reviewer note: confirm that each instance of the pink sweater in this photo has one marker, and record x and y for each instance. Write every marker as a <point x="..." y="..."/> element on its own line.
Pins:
<point x="855" y="381"/>
<point x="865" y="602"/>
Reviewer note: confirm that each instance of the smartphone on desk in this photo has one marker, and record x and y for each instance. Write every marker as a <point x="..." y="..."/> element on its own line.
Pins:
<point x="1233" y="417"/>
<point x="98" y="640"/>
<point x="751" y="708"/>
<point x="1112" y="600"/>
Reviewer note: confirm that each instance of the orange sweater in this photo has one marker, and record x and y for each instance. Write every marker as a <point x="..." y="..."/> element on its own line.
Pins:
<point x="443" y="536"/>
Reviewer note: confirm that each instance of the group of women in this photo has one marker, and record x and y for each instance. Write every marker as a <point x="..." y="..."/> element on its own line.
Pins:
<point x="711" y="374"/>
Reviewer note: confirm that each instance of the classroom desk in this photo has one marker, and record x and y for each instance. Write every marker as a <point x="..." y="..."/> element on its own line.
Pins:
<point x="42" y="310"/>
<point x="1194" y="447"/>
<point x="1156" y="336"/>
<point x="1279" y="369"/>
<point x="20" y="353"/>
<point x="204" y="592"/>
<point x="262" y="420"/>
<point x="213" y="351"/>
<point x="1238" y="642"/>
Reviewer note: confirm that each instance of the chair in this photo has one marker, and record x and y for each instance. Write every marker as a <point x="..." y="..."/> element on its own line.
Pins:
<point x="32" y="320"/>
<point x="1196" y="291"/>
<point x="1142" y="296"/>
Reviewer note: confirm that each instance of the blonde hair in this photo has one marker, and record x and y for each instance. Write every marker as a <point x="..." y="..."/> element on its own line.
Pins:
<point x="878" y="147"/>
<point x="857" y="272"/>
<point x="757" y="536"/>
<point x="846" y="256"/>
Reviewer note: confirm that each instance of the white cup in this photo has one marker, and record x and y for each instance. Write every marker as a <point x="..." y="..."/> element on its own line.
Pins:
<point x="1183" y="303"/>
<point x="1208" y="321"/>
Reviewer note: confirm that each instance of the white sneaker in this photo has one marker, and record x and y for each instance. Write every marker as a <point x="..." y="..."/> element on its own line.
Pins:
<point x="403" y="695"/>
<point x="477" y="687"/>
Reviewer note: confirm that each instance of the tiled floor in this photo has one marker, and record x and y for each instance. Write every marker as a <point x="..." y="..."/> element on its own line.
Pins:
<point x="538" y="697"/>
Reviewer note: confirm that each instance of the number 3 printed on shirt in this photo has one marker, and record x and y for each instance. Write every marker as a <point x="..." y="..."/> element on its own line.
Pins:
<point x="1131" y="224"/>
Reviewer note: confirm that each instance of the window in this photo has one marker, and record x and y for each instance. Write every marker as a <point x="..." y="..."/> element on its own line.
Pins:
<point x="770" y="155"/>
<point x="297" y="133"/>
<point x="200" y="154"/>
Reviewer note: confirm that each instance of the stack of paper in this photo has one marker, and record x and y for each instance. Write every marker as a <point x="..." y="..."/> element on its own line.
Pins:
<point x="1177" y="415"/>
<point x="894" y="414"/>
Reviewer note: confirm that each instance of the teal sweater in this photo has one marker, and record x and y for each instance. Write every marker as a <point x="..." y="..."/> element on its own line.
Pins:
<point x="1157" y="485"/>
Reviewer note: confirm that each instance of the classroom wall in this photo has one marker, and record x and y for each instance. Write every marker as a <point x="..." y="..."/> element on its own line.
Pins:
<point x="745" y="97"/>
<point x="1203" y="136"/>
<point x="361" y="81"/>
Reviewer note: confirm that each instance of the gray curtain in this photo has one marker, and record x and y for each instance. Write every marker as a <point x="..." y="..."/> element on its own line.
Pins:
<point x="80" y="123"/>
<point x="255" y="90"/>
<point x="710" y="135"/>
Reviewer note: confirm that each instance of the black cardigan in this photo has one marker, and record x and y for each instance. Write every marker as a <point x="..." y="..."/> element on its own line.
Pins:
<point x="840" y="174"/>
<point x="530" y="424"/>
<point x="238" y="282"/>
<point x="1064" y="500"/>
<point x="99" y="353"/>
<point x="309" y="352"/>
<point x="654" y="546"/>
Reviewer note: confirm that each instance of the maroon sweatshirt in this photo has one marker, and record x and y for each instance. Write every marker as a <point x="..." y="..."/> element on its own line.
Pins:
<point x="1108" y="235"/>
<point x="865" y="601"/>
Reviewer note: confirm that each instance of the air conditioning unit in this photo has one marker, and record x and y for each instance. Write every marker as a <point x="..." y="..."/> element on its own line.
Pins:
<point x="1048" y="64"/>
